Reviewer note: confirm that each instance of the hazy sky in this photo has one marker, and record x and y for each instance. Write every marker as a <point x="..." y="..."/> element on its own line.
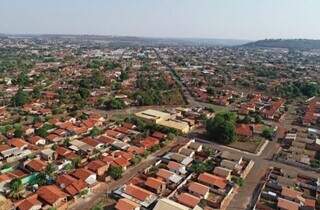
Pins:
<point x="236" y="19"/>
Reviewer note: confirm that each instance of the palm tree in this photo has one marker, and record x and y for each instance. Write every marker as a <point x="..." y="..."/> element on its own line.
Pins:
<point x="16" y="188"/>
<point x="50" y="170"/>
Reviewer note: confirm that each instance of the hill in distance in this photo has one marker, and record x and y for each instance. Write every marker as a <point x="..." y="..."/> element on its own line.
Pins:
<point x="304" y="44"/>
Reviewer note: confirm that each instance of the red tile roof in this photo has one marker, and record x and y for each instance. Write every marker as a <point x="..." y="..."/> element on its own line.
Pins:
<point x="154" y="183"/>
<point x="137" y="192"/>
<point x="217" y="181"/>
<point x="36" y="165"/>
<point x="82" y="173"/>
<point x="188" y="200"/>
<point x="51" y="194"/>
<point x="126" y="204"/>
<point x="17" y="142"/>
<point x="198" y="188"/>
<point x="244" y="130"/>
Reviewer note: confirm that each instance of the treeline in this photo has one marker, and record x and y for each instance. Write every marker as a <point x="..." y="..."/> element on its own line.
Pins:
<point x="296" y="89"/>
<point x="286" y="43"/>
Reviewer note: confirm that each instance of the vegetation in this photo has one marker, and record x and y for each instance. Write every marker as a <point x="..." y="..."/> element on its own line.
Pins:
<point x="115" y="172"/>
<point x="296" y="89"/>
<point x="286" y="43"/>
<point x="267" y="133"/>
<point x="16" y="188"/>
<point x="221" y="128"/>
<point x="20" y="98"/>
<point x="200" y="167"/>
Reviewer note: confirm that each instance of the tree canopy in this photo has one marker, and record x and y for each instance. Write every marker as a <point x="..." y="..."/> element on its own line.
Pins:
<point x="221" y="128"/>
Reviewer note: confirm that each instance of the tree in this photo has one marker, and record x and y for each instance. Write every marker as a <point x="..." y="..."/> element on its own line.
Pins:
<point x="36" y="92"/>
<point x="50" y="170"/>
<point x="16" y="188"/>
<point x="238" y="180"/>
<point x="267" y="133"/>
<point x="84" y="92"/>
<point x="221" y="128"/>
<point x="42" y="132"/>
<point x="97" y="206"/>
<point x="20" y="98"/>
<point x="18" y="132"/>
<point x="23" y="79"/>
<point x="115" y="172"/>
<point x="114" y="103"/>
<point x="95" y="131"/>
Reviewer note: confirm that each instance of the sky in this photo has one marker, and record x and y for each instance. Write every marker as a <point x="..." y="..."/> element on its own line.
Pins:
<point x="228" y="19"/>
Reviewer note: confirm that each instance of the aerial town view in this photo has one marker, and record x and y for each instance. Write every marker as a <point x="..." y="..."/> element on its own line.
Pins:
<point x="160" y="105"/>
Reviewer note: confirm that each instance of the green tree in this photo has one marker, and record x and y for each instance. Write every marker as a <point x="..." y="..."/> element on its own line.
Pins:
<point x="267" y="133"/>
<point x="20" y="98"/>
<point x="16" y="188"/>
<point x="221" y="128"/>
<point x="18" y="132"/>
<point x="115" y="172"/>
<point x="95" y="131"/>
<point x="23" y="79"/>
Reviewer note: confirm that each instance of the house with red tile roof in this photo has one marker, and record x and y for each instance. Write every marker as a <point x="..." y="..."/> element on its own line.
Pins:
<point x="52" y="196"/>
<point x="86" y="175"/>
<point x="188" y="200"/>
<point x="126" y="204"/>
<point x="149" y="142"/>
<point x="36" y="140"/>
<point x="97" y="166"/>
<point x="35" y="165"/>
<point x="159" y="135"/>
<point x="156" y="186"/>
<point x="244" y="130"/>
<point x="212" y="180"/>
<point x="198" y="190"/>
<point x="138" y="193"/>
<point x="30" y="203"/>
<point x="19" y="143"/>
<point x="71" y="185"/>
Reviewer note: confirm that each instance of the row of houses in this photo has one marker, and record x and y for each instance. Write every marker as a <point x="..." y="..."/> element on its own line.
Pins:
<point x="288" y="191"/>
<point x="171" y="183"/>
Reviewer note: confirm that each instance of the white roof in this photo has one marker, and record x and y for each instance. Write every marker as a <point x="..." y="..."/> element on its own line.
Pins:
<point x="166" y="204"/>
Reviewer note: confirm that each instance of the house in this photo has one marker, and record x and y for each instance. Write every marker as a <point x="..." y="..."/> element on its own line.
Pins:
<point x="149" y="142"/>
<point x="48" y="154"/>
<point x="7" y="151"/>
<point x="231" y="156"/>
<point x="166" y="204"/>
<point x="36" y="140"/>
<point x="97" y="166"/>
<point x="176" y="167"/>
<point x="188" y="200"/>
<point x="94" y="143"/>
<point x="86" y="175"/>
<point x="35" y="165"/>
<point x="19" y="143"/>
<point x="138" y="193"/>
<point x="199" y="190"/>
<point x="126" y="204"/>
<point x="284" y="204"/>
<point x="71" y="185"/>
<point x="52" y="196"/>
<point x="155" y="185"/>
<point x="159" y="135"/>
<point x="212" y="180"/>
<point x="29" y="203"/>
<point x="168" y="176"/>
<point x="222" y="172"/>
<point x="244" y="130"/>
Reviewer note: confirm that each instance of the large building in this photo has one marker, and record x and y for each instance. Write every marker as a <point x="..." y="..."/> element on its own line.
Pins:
<point x="163" y="119"/>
